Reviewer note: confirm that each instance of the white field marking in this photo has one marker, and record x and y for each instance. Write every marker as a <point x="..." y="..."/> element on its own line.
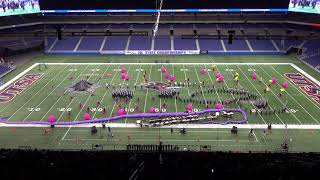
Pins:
<point x="105" y="93"/>
<point x="60" y="97"/>
<point x="278" y="97"/>
<point x="166" y="63"/>
<point x="166" y="140"/>
<point x="84" y="104"/>
<point x="156" y="132"/>
<point x="254" y="134"/>
<point x="160" y="107"/>
<point x="296" y="102"/>
<point x="305" y="74"/>
<point x="145" y="100"/>
<point x="292" y="84"/>
<point x="30" y="88"/>
<point x="78" y="112"/>
<point x="114" y="104"/>
<point x="133" y="92"/>
<point x="213" y="83"/>
<point x="200" y="84"/>
<point x="258" y="92"/>
<point x="49" y="93"/>
<point x="17" y="77"/>
<point x="191" y="126"/>
<point x="40" y="90"/>
<point x="175" y="100"/>
<point x="250" y="101"/>
<point x="185" y="76"/>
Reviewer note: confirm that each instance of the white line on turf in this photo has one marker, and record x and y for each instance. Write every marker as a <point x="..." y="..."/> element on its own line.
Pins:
<point x="277" y="96"/>
<point x="212" y="83"/>
<point x="40" y="90"/>
<point x="114" y="104"/>
<point x="250" y="101"/>
<point x="61" y="96"/>
<point x="296" y="101"/>
<point x="27" y="90"/>
<point x="145" y="100"/>
<point x="185" y="76"/>
<point x="200" y="85"/>
<point x="133" y="92"/>
<point x="49" y="93"/>
<point x="291" y="83"/>
<point x="105" y="93"/>
<point x="258" y="92"/>
<point x="254" y="134"/>
<point x="175" y="100"/>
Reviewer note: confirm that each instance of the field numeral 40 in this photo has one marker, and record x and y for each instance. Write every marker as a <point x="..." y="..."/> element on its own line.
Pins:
<point x="33" y="109"/>
<point x="64" y="109"/>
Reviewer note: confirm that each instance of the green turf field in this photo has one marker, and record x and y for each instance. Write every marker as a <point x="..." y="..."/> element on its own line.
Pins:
<point x="46" y="97"/>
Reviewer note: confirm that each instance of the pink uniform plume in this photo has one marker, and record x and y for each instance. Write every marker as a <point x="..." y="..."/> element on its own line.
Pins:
<point x="123" y="70"/>
<point x="172" y="78"/>
<point x="152" y="110"/>
<point x="274" y="80"/>
<point x="123" y="75"/>
<point x="221" y="78"/>
<point x="203" y="71"/>
<point x="285" y="84"/>
<point x="189" y="107"/>
<point x="167" y="75"/>
<point x="121" y="112"/>
<point x="127" y="77"/>
<point x="163" y="70"/>
<point x="51" y="118"/>
<point x="254" y="76"/>
<point x="218" y="106"/>
<point x="218" y="75"/>
<point x="86" y="116"/>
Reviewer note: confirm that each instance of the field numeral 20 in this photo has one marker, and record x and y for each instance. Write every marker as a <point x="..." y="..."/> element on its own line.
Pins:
<point x="33" y="109"/>
<point x="64" y="109"/>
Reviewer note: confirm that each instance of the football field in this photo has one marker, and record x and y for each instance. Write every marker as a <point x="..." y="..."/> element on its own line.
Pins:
<point x="40" y="90"/>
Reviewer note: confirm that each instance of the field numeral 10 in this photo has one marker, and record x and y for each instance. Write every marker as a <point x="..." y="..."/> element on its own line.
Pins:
<point x="130" y="110"/>
<point x="33" y="109"/>
<point x="64" y="109"/>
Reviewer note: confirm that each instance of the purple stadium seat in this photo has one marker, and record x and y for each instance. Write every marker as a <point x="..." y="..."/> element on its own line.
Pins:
<point x="68" y="43"/>
<point x="115" y="43"/>
<point x="262" y="45"/>
<point x="210" y="44"/>
<point x="162" y="43"/>
<point x="90" y="43"/>
<point x="140" y="43"/>
<point x="184" y="44"/>
<point x="237" y="45"/>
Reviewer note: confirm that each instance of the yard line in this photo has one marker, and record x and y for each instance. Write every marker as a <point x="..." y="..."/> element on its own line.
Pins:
<point x="105" y="93"/>
<point x="31" y="88"/>
<point x="48" y="94"/>
<point x="280" y="100"/>
<point x="160" y="107"/>
<point x="292" y="84"/>
<point x="175" y="100"/>
<point x="32" y="97"/>
<point x="200" y="85"/>
<point x="133" y="91"/>
<point x="145" y="100"/>
<point x="212" y="82"/>
<point x="294" y="99"/>
<point x="254" y="134"/>
<point x="185" y="75"/>
<point x="61" y="96"/>
<point x="250" y="101"/>
<point x="75" y="98"/>
<point x="258" y="92"/>
<point x="114" y="104"/>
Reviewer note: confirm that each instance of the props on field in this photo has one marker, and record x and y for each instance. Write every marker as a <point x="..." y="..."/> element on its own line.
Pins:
<point x="123" y="70"/>
<point x="218" y="75"/>
<point x="123" y="75"/>
<point x="51" y="118"/>
<point x="86" y="116"/>
<point x="167" y="75"/>
<point x="127" y="77"/>
<point x="189" y="107"/>
<point x="254" y="76"/>
<point x="152" y="110"/>
<point x="274" y="80"/>
<point x="218" y="106"/>
<point x="172" y="78"/>
<point x="163" y="70"/>
<point x="221" y="78"/>
<point x="285" y="84"/>
<point x="121" y="112"/>
<point x="203" y="71"/>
